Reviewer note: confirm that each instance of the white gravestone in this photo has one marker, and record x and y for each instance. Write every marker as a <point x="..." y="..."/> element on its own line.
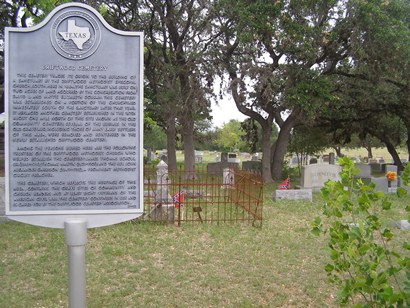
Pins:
<point x="293" y="194"/>
<point x="315" y="176"/>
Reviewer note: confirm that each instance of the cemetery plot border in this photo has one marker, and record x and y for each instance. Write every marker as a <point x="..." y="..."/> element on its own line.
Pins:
<point x="204" y="198"/>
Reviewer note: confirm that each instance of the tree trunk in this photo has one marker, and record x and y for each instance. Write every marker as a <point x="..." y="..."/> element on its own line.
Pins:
<point x="266" y="153"/>
<point x="281" y="147"/>
<point x="338" y="151"/>
<point x="390" y="147"/>
<point x="394" y="155"/>
<point x="369" y="152"/>
<point x="189" y="151"/>
<point x="171" y="144"/>
<point x="408" y="141"/>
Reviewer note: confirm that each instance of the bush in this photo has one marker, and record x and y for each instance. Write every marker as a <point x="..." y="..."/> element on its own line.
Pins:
<point x="363" y="265"/>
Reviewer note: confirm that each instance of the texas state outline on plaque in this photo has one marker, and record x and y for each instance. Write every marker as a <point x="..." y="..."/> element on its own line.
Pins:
<point x="79" y="35"/>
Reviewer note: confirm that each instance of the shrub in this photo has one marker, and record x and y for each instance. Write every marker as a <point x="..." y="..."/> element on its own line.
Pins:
<point x="367" y="271"/>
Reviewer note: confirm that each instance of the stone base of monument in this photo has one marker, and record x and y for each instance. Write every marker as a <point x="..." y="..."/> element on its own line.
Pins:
<point x="292" y="194"/>
<point x="162" y="212"/>
<point x="392" y="190"/>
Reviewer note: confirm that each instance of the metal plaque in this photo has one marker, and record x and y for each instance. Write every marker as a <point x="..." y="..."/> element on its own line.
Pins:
<point x="74" y="95"/>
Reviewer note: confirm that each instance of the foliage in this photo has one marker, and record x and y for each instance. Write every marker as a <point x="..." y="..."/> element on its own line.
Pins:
<point x="229" y="137"/>
<point x="253" y="135"/>
<point x="307" y="140"/>
<point x="367" y="271"/>
<point x="155" y="138"/>
<point x="205" y="136"/>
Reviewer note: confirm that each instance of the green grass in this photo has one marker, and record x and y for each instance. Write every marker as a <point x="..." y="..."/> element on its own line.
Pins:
<point x="197" y="265"/>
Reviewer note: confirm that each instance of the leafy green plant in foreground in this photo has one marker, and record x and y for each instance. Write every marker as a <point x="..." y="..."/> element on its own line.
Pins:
<point x="367" y="271"/>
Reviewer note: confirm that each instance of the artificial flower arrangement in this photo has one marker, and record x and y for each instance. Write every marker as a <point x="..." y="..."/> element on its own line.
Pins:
<point x="391" y="176"/>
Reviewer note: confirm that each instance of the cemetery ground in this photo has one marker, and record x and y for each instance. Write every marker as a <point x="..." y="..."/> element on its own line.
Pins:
<point x="140" y="264"/>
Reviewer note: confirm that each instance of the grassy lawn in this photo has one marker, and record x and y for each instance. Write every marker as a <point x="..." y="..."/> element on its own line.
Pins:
<point x="147" y="265"/>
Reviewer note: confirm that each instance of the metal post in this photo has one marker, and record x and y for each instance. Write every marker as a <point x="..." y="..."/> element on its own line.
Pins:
<point x="75" y="232"/>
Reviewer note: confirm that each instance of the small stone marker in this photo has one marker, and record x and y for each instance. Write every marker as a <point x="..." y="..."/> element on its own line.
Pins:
<point x="292" y="194"/>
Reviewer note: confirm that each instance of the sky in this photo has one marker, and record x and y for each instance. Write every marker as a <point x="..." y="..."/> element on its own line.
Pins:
<point x="224" y="112"/>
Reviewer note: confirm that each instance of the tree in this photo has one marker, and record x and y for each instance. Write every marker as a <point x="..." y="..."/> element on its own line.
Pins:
<point x="177" y="40"/>
<point x="253" y="135"/>
<point x="306" y="141"/>
<point x="378" y="92"/>
<point x="276" y="54"/>
<point x="229" y="136"/>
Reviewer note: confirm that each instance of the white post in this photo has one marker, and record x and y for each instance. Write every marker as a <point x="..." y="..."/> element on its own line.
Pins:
<point x="228" y="179"/>
<point x="75" y="232"/>
<point x="162" y="195"/>
<point x="165" y="211"/>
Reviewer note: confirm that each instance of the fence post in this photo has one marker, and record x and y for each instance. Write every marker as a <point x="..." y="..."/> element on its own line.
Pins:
<point x="163" y="207"/>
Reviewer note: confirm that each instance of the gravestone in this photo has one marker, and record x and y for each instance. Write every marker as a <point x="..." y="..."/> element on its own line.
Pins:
<point x="292" y="194"/>
<point x="163" y="207"/>
<point x="252" y="165"/>
<point x="218" y="167"/>
<point x="199" y="155"/>
<point x="255" y="157"/>
<point x="332" y="158"/>
<point x="314" y="176"/>
<point x="228" y="178"/>
<point x="392" y="168"/>
<point x="233" y="158"/>
<point x="375" y="166"/>
<point x="381" y="184"/>
<point x="365" y="171"/>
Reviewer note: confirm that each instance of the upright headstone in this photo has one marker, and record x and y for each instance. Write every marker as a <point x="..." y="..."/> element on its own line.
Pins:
<point x="314" y="176"/>
<point x="392" y="184"/>
<point x="74" y="120"/>
<point x="163" y="207"/>
<point x="364" y="171"/>
<point x="228" y="178"/>
<point x="332" y="159"/>
<point x="381" y="183"/>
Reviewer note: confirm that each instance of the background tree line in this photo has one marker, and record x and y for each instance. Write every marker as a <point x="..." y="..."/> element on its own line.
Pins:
<point x="334" y="69"/>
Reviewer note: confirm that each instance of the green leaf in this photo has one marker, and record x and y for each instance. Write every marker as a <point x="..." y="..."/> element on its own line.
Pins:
<point x="401" y="192"/>
<point x="315" y="231"/>
<point x="387" y="234"/>
<point x="329" y="268"/>
<point x="386" y="204"/>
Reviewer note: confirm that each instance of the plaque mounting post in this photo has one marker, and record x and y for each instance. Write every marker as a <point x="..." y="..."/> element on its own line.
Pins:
<point x="75" y="233"/>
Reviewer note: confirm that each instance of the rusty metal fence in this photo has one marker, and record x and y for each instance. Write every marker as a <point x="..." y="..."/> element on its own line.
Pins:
<point x="202" y="197"/>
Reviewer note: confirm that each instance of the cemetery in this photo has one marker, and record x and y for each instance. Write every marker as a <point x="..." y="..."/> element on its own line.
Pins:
<point x="120" y="187"/>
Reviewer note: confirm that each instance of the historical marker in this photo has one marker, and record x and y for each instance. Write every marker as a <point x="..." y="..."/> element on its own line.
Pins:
<point x="74" y="120"/>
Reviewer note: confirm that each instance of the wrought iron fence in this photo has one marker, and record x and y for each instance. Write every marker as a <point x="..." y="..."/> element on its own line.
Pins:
<point x="180" y="197"/>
